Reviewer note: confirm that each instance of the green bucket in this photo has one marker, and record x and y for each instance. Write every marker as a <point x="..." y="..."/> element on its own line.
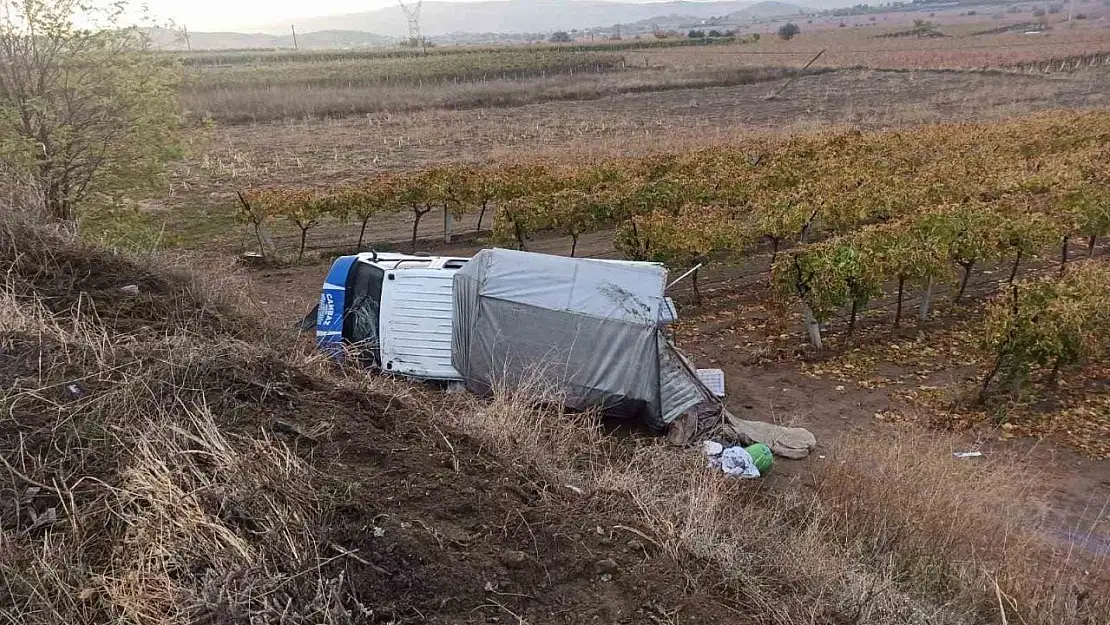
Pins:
<point x="762" y="456"/>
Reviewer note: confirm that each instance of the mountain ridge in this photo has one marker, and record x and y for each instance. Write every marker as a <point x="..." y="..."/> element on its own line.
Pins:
<point x="166" y="39"/>
<point x="483" y="21"/>
<point x="439" y="18"/>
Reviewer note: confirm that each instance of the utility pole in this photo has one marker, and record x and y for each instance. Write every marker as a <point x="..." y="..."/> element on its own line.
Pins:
<point x="412" y="16"/>
<point x="188" y="44"/>
<point x="293" y="27"/>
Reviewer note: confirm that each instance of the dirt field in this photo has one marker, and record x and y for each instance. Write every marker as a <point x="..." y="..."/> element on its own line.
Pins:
<point x="177" y="452"/>
<point x="877" y="384"/>
<point x="198" y="212"/>
<point x="884" y="44"/>
<point x="239" y="87"/>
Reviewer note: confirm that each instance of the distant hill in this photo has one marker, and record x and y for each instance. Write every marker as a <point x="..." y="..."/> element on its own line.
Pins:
<point x="492" y="18"/>
<point x="753" y="13"/>
<point x="768" y="10"/>
<point x="515" y="16"/>
<point x="321" y="40"/>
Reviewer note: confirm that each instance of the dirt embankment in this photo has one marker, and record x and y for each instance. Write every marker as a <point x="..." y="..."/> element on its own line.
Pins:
<point x="170" y="459"/>
<point x="159" y="469"/>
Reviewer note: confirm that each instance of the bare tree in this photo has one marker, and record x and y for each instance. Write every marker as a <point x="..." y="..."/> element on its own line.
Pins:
<point x="83" y="110"/>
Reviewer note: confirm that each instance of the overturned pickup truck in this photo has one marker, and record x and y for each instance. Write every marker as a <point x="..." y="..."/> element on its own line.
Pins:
<point x="591" y="329"/>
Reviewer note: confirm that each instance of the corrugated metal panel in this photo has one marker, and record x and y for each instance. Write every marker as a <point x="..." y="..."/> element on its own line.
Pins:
<point x="679" y="387"/>
<point x="668" y="314"/>
<point x="417" y="316"/>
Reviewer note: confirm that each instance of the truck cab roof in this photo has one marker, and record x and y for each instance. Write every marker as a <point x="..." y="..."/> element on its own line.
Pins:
<point x="389" y="261"/>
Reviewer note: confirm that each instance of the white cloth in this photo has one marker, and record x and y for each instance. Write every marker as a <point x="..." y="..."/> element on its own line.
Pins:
<point x="735" y="461"/>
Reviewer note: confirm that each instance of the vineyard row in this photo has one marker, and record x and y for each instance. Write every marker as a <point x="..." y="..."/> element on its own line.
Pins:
<point x="461" y="68"/>
<point x="910" y="208"/>
<point x="226" y="58"/>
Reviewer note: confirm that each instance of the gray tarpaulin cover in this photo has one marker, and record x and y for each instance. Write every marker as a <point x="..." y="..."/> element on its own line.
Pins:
<point x="589" y="328"/>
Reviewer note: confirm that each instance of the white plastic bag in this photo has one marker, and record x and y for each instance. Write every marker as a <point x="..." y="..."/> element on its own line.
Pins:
<point x="737" y="462"/>
<point x="713" y="450"/>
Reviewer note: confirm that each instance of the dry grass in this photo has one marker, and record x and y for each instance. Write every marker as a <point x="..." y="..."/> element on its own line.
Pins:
<point x="891" y="530"/>
<point x="124" y="501"/>
<point x="140" y="487"/>
<point x="82" y="281"/>
<point x="967" y="533"/>
<point x="135" y="507"/>
<point x="254" y="103"/>
<point x="858" y="48"/>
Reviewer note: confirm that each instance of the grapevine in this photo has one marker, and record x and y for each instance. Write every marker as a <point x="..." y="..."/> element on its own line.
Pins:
<point x="1050" y="323"/>
<point x="905" y="207"/>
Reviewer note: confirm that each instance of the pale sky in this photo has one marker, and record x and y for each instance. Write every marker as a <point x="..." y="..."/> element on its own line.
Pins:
<point x="207" y="15"/>
<point x="254" y="15"/>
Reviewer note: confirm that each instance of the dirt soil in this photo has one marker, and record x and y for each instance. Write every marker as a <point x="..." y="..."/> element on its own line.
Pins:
<point x="438" y="531"/>
<point x="419" y="524"/>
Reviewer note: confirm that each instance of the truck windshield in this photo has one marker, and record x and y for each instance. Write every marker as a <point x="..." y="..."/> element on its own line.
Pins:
<point x="360" y="321"/>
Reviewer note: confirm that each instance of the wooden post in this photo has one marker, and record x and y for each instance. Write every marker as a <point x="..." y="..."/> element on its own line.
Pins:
<point x="813" y="328"/>
<point x="791" y="79"/>
<point x="293" y="27"/>
<point x="923" y="310"/>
